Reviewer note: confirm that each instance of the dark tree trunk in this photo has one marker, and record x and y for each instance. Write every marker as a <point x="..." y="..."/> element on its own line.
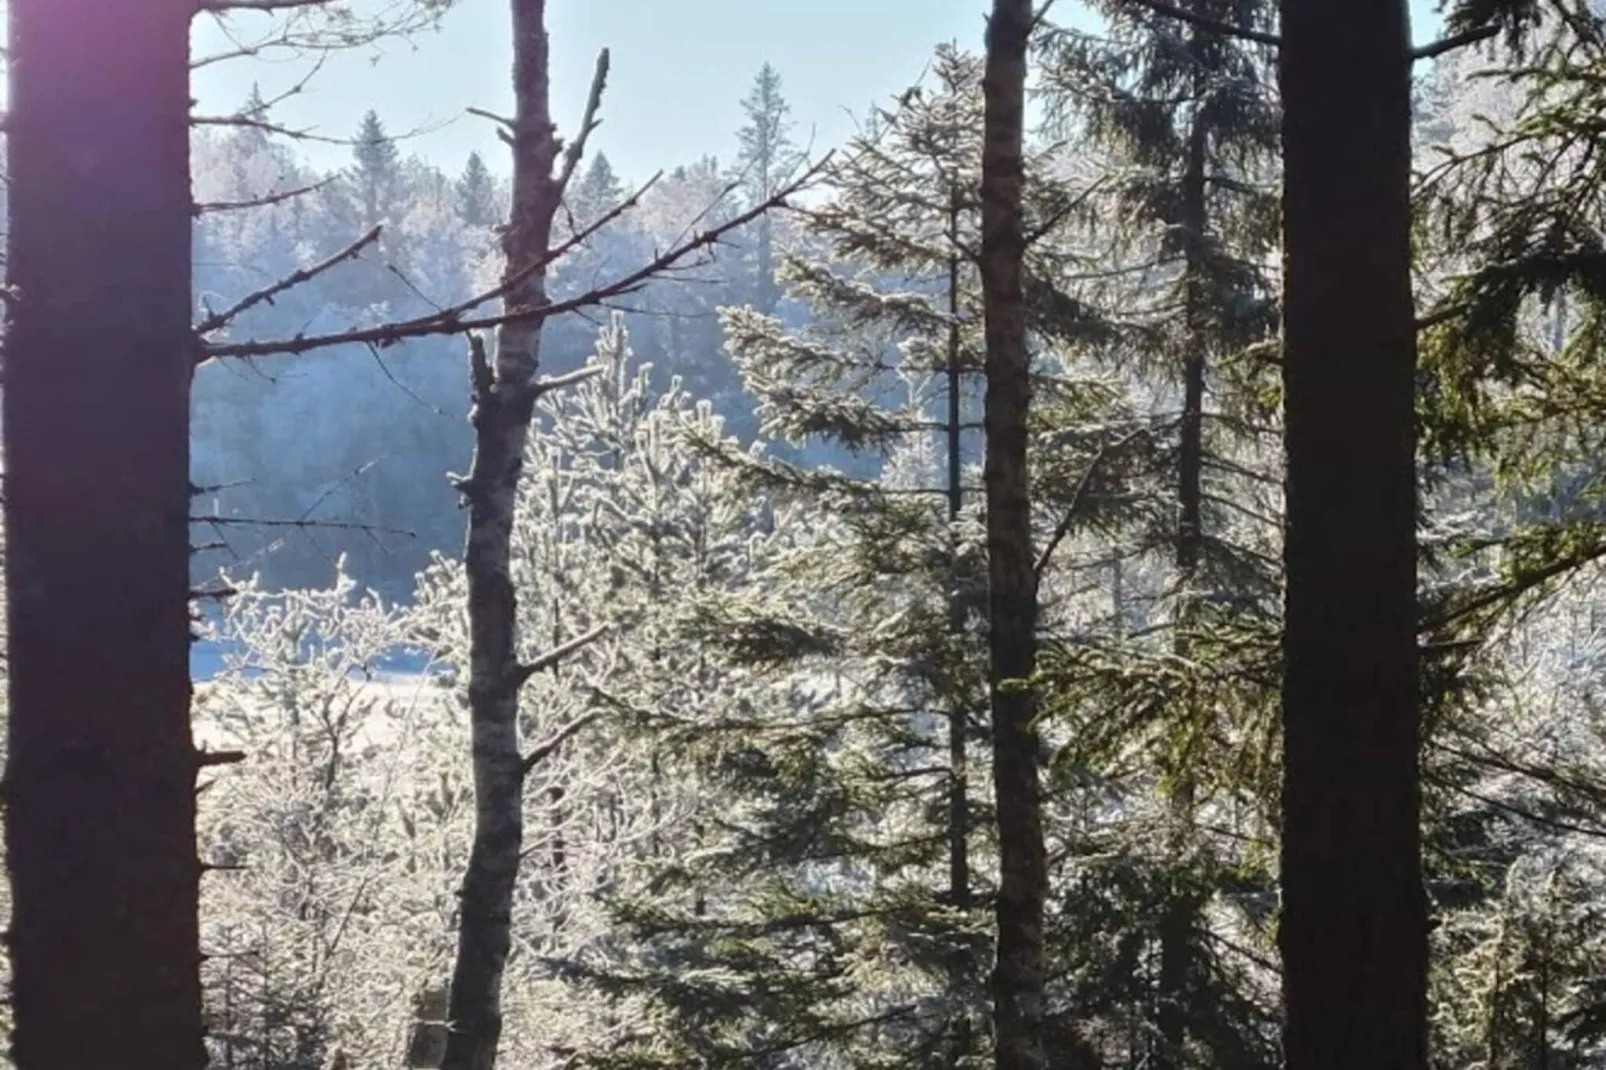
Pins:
<point x="960" y="966"/>
<point x="505" y="391"/>
<point x="1012" y="601"/>
<point x="1178" y="926"/>
<point x="100" y="778"/>
<point x="1353" y="931"/>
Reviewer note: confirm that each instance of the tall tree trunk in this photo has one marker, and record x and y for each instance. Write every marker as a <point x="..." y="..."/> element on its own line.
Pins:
<point x="1353" y="932"/>
<point x="1177" y="927"/>
<point x="505" y="391"/>
<point x="100" y="778"/>
<point x="769" y="294"/>
<point x="959" y="892"/>
<point x="1022" y="878"/>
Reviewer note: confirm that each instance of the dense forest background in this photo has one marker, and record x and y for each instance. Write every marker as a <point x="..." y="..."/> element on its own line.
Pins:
<point x="759" y="819"/>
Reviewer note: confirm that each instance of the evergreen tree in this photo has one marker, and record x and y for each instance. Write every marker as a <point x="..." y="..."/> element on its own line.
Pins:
<point x="766" y="161"/>
<point x="847" y="855"/>
<point x="375" y="176"/>
<point x="597" y="192"/>
<point x="1186" y="132"/>
<point x="474" y="194"/>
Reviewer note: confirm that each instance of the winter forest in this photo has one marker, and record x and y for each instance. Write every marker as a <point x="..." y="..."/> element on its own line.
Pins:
<point x="1100" y="569"/>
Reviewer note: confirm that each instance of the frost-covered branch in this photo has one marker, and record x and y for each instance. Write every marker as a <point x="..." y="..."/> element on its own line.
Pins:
<point x="455" y="321"/>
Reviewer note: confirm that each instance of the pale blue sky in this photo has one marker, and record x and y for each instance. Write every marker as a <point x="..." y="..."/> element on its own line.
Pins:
<point x="680" y="68"/>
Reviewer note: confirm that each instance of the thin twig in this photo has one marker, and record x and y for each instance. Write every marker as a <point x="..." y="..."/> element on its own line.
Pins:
<point x="452" y="321"/>
<point x="219" y="320"/>
<point x="267" y="200"/>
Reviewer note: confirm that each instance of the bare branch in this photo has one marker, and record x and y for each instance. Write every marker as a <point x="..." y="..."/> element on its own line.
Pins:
<point x="221" y="6"/>
<point x="454" y="313"/>
<point x="265" y="201"/>
<point x="500" y="120"/>
<point x="557" y="654"/>
<point x="549" y="383"/>
<point x="1454" y="41"/>
<point x="248" y="123"/>
<point x="563" y="735"/>
<point x="219" y="320"/>
<point x="453" y="321"/>
<point x="1226" y="29"/>
<point x="206" y="758"/>
<point x="588" y="122"/>
<point x="332" y="525"/>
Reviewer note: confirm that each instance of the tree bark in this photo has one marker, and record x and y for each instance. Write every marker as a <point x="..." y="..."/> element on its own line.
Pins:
<point x="1022" y="885"/>
<point x="1177" y="927"/>
<point x="505" y="391"/>
<point x="100" y="777"/>
<point x="960" y="966"/>
<point x="1353" y="932"/>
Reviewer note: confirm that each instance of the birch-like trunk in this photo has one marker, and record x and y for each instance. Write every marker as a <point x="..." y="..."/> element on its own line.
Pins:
<point x="1353" y="930"/>
<point x="100" y="776"/>
<point x="506" y="388"/>
<point x="1022" y="880"/>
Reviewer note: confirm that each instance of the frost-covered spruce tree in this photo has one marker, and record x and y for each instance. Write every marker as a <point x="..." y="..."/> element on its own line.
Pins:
<point x="1511" y="380"/>
<point x="846" y="852"/>
<point x="617" y="524"/>
<point x="341" y="835"/>
<point x="766" y="162"/>
<point x="1184" y="121"/>
<point x="335" y="838"/>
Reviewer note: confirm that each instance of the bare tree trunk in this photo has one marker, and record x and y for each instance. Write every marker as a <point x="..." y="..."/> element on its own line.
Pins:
<point x="1177" y="927"/>
<point x="1354" y="928"/>
<point x="100" y="779"/>
<point x="959" y="892"/>
<point x="505" y="391"/>
<point x="1022" y="879"/>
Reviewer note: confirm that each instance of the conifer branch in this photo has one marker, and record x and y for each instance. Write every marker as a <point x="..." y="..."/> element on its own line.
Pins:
<point x="1063" y="528"/>
<point x="1453" y="42"/>
<point x="1226" y="29"/>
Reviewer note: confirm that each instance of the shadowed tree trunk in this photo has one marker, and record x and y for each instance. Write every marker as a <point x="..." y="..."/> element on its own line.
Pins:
<point x="1353" y="931"/>
<point x="960" y="966"/>
<point x="505" y="388"/>
<point x="1012" y="602"/>
<point x="1177" y="928"/>
<point x="100" y="777"/>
